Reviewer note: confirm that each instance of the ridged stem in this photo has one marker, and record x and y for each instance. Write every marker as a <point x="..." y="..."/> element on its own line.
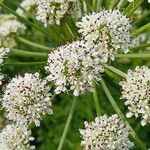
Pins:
<point x="115" y="70"/>
<point x="67" y="124"/>
<point x="42" y="47"/>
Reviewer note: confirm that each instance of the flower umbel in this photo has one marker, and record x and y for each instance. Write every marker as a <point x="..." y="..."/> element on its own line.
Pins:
<point x="136" y="91"/>
<point x="73" y="67"/>
<point x="9" y="27"/>
<point x="106" y="133"/>
<point x="27" y="98"/>
<point x="109" y="30"/>
<point x="15" y="137"/>
<point x="52" y="11"/>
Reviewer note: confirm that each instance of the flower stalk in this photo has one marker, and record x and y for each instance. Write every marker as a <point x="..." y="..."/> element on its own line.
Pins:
<point x="115" y="70"/>
<point x="146" y="55"/>
<point x="96" y="102"/>
<point x="121" y="115"/>
<point x="28" y="53"/>
<point x="67" y="124"/>
<point x="33" y="44"/>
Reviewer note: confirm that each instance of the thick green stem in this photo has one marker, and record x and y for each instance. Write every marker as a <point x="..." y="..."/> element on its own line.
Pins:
<point x="141" y="46"/>
<point x="141" y="29"/>
<point x="99" y="5"/>
<point x="24" y="53"/>
<point x="121" y="115"/>
<point x="67" y="124"/>
<point x="70" y="31"/>
<point x="24" y="64"/>
<point x="96" y="102"/>
<point x="133" y="55"/>
<point x="94" y="5"/>
<point x="137" y="4"/>
<point x="115" y="70"/>
<point x="121" y="2"/>
<point x="45" y="48"/>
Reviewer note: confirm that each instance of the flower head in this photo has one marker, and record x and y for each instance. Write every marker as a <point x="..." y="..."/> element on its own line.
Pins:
<point x="73" y="67"/>
<point x="9" y="27"/>
<point x="15" y="137"/>
<point x="136" y="91"/>
<point x="109" y="30"/>
<point x="27" y="98"/>
<point x="106" y="133"/>
<point x="52" y="11"/>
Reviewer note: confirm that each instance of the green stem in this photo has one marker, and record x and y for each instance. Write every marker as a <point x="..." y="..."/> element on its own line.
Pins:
<point x="25" y="63"/>
<point x="115" y="70"/>
<point x="121" y="115"/>
<point x="141" y="29"/>
<point x="96" y="102"/>
<point x="70" y="31"/>
<point x="112" y="4"/>
<point x="94" y="5"/>
<point x="28" y="53"/>
<point x="85" y="10"/>
<point x="45" y="48"/>
<point x="133" y="55"/>
<point x="138" y="3"/>
<point x="128" y="8"/>
<point x="121" y="2"/>
<point x="141" y="46"/>
<point x="99" y="5"/>
<point x="67" y="124"/>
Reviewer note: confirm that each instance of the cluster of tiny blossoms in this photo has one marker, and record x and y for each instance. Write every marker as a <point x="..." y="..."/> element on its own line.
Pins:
<point x="9" y="27"/>
<point x="26" y="99"/>
<point x="15" y="137"/>
<point x="52" y="11"/>
<point x="106" y="133"/>
<point x="136" y="91"/>
<point x="73" y="67"/>
<point x="109" y="30"/>
<point x="3" y="53"/>
<point x="25" y="6"/>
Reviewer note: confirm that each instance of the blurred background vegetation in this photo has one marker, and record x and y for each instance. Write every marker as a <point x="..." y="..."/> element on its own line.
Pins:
<point x="48" y="135"/>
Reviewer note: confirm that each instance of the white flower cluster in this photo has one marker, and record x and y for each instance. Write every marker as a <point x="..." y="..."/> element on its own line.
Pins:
<point x="136" y="91"/>
<point x="109" y="30"/>
<point x="3" y="53"/>
<point x="106" y="133"/>
<point x="73" y="67"/>
<point x="26" y="99"/>
<point x="27" y="5"/>
<point x="15" y="137"/>
<point x="52" y="11"/>
<point x="9" y="27"/>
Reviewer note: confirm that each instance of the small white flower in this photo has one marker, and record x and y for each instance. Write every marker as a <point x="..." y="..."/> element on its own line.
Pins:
<point x="9" y="27"/>
<point x="136" y="91"/>
<point x="27" y="5"/>
<point x="15" y="137"/>
<point x="52" y="11"/>
<point x="106" y="133"/>
<point x="27" y="98"/>
<point x="109" y="30"/>
<point x="73" y="67"/>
